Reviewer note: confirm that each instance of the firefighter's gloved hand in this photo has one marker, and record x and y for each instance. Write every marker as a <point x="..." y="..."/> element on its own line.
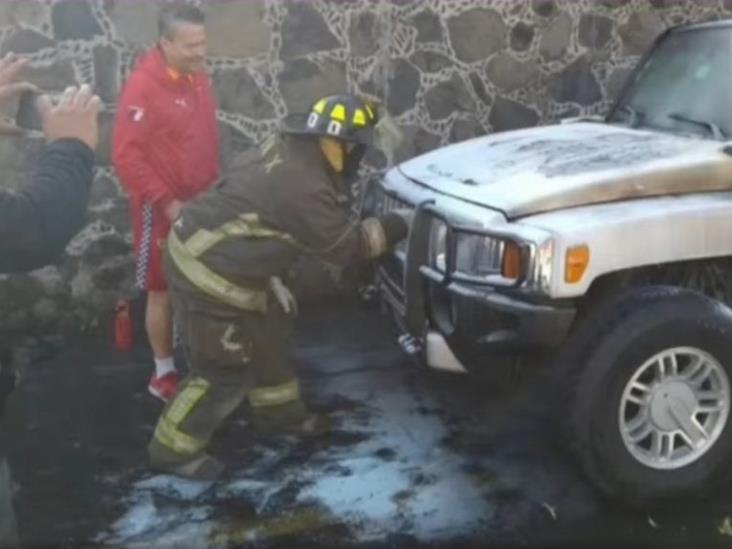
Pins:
<point x="399" y="231"/>
<point x="284" y="295"/>
<point x="406" y="214"/>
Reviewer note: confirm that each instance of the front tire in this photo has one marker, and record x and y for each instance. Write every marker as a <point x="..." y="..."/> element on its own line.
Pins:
<point x="648" y="376"/>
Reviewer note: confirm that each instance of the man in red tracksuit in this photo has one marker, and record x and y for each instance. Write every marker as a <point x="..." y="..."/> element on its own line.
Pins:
<point x="165" y="152"/>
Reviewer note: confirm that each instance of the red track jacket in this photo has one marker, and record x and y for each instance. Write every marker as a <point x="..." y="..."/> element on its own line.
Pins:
<point x="165" y="144"/>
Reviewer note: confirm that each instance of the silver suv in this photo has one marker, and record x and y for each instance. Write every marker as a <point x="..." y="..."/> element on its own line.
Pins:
<point x="604" y="243"/>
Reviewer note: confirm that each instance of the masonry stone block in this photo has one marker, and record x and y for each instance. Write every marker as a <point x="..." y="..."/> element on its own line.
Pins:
<point x="403" y="87"/>
<point x="74" y="20"/>
<point x="595" y="31"/>
<point x="236" y="28"/>
<point x="510" y="115"/>
<point x="640" y="31"/>
<point x="508" y="73"/>
<point x="305" y="31"/>
<point x="449" y="97"/>
<point x="25" y="41"/>
<point x="303" y="81"/>
<point x="556" y="38"/>
<point x="476" y="34"/>
<point x="576" y="83"/>
<point x="238" y="92"/>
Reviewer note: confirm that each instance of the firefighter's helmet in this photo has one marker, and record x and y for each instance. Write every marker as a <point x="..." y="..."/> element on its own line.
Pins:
<point x="345" y="117"/>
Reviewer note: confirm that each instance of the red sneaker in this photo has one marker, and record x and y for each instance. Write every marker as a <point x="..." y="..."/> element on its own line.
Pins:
<point x="163" y="387"/>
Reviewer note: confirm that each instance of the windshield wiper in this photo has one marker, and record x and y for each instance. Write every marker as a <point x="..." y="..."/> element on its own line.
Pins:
<point x="711" y="126"/>
<point x="633" y="114"/>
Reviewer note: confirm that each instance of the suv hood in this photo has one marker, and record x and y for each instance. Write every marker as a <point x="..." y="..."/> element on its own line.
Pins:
<point x="553" y="167"/>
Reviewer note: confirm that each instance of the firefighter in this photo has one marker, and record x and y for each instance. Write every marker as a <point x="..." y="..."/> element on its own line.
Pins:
<point x="227" y="260"/>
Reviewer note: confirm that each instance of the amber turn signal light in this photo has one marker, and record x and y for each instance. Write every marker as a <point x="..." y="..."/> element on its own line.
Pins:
<point x="511" y="264"/>
<point x="575" y="265"/>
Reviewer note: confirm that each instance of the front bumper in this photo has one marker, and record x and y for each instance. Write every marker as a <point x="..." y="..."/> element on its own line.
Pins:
<point x="477" y="322"/>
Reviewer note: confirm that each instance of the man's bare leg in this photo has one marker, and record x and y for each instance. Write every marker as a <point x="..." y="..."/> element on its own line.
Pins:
<point x="159" y="325"/>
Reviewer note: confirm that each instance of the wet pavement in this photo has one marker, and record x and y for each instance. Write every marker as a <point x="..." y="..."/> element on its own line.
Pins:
<point x="418" y="458"/>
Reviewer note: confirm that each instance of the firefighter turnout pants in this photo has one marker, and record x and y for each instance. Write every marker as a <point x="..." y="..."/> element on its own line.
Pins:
<point x="232" y="354"/>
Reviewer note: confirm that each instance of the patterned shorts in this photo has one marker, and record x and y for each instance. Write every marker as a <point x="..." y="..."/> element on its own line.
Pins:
<point x="150" y="228"/>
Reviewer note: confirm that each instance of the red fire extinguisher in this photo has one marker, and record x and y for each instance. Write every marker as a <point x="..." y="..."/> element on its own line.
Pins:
<point x="122" y="326"/>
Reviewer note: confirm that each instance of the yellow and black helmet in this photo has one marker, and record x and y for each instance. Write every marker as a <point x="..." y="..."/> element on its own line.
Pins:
<point x="345" y="117"/>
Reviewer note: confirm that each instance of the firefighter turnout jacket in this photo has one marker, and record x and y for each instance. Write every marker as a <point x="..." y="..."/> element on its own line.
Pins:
<point x="282" y="201"/>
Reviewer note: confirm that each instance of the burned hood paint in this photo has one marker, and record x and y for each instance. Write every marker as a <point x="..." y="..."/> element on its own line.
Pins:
<point x="553" y="167"/>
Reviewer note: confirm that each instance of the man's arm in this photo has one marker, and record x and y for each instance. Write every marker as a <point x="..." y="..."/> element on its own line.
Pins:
<point x="133" y="130"/>
<point x="37" y="221"/>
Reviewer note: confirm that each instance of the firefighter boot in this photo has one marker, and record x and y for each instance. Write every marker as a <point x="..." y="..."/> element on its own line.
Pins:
<point x="291" y="418"/>
<point x="203" y="468"/>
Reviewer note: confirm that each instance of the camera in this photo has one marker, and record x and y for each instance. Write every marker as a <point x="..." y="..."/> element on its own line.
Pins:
<point x="28" y="117"/>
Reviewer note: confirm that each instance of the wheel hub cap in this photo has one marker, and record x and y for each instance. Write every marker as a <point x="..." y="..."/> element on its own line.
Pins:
<point x="670" y="401"/>
<point x="674" y="407"/>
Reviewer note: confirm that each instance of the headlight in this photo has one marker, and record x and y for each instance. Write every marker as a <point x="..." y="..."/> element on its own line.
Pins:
<point x="486" y="257"/>
<point x="492" y="257"/>
<point x="502" y="261"/>
<point x="540" y="272"/>
<point x="478" y="255"/>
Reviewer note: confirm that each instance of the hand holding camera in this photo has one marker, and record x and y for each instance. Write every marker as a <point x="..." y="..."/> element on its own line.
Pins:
<point x="74" y="114"/>
<point x="11" y="85"/>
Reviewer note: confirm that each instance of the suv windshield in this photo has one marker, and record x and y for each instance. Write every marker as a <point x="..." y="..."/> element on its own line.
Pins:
<point x="685" y="85"/>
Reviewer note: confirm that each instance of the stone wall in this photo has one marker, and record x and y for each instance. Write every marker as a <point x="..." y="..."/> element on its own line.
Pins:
<point x="446" y="69"/>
